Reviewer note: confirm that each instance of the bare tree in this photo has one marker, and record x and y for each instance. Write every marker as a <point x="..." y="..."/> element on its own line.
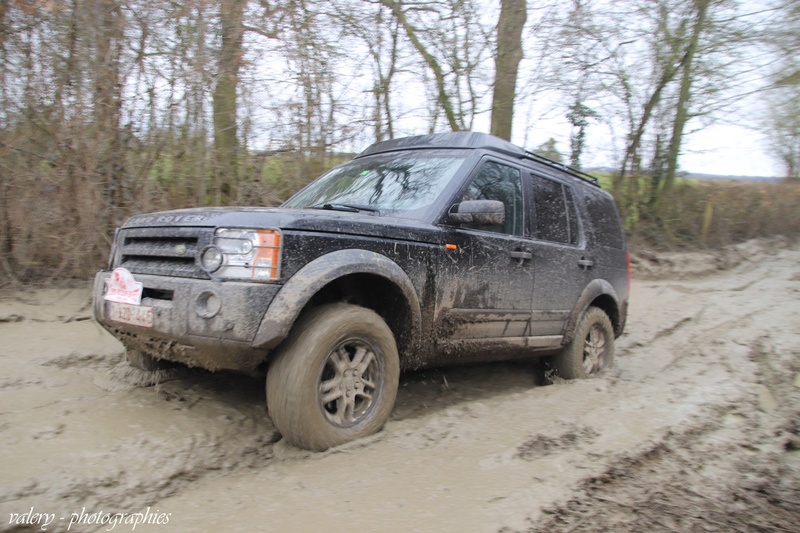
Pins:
<point x="107" y="104"/>
<point x="113" y="106"/>
<point x="452" y="44"/>
<point x="226" y="141"/>
<point x="685" y="93"/>
<point x="781" y="125"/>
<point x="782" y="128"/>
<point x="513" y="14"/>
<point x="668" y="55"/>
<point x="443" y="96"/>
<point x="371" y="25"/>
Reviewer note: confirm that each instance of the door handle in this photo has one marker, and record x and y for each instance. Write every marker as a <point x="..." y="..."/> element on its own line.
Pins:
<point x="585" y="263"/>
<point x="521" y="255"/>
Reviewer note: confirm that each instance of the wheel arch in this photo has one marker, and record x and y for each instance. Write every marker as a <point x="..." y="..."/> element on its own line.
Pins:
<point x="356" y="276"/>
<point x="599" y="293"/>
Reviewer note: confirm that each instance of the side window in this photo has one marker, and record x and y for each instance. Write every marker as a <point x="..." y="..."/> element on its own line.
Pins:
<point x="605" y="221"/>
<point x="556" y="220"/>
<point x="496" y="181"/>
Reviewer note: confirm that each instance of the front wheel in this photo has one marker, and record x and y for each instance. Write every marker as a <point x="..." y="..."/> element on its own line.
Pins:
<point x="591" y="350"/>
<point x="335" y="378"/>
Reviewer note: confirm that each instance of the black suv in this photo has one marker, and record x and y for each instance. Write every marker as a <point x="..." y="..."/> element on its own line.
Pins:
<point x="428" y="250"/>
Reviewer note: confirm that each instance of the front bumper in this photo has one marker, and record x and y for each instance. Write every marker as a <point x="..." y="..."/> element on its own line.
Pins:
<point x="200" y="323"/>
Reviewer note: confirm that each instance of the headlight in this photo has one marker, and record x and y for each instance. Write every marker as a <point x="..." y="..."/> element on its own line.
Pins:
<point x="211" y="259"/>
<point x="244" y="254"/>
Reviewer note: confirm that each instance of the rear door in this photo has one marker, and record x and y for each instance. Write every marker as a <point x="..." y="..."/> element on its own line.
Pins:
<point x="563" y="267"/>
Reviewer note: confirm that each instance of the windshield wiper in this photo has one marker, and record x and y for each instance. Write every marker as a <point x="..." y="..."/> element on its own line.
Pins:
<point x="350" y="208"/>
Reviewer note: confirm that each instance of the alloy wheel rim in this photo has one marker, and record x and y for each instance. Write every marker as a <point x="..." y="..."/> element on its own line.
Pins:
<point x="594" y="350"/>
<point x="350" y="382"/>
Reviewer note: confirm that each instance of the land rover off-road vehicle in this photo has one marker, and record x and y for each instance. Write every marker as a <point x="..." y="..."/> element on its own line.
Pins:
<point x="428" y="250"/>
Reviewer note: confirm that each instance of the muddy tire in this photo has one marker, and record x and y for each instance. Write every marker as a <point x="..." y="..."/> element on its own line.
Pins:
<point x="335" y="378"/>
<point x="142" y="361"/>
<point x="591" y="351"/>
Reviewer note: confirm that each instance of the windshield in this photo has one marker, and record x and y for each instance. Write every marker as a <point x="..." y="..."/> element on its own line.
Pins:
<point x="406" y="181"/>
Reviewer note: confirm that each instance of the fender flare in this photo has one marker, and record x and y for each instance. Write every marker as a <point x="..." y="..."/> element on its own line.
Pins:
<point x="306" y="282"/>
<point x="595" y="289"/>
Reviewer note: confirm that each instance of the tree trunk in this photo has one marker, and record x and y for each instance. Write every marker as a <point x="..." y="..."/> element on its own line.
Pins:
<point x="513" y="14"/>
<point x="682" y="111"/>
<point x="226" y="143"/>
<point x="7" y="245"/>
<point x="632" y="152"/>
<point x="108" y="107"/>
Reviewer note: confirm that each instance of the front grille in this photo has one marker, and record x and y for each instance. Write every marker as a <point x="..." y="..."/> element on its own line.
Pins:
<point x="163" y="251"/>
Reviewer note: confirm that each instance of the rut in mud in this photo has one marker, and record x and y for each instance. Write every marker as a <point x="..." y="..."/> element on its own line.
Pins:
<point x="696" y="428"/>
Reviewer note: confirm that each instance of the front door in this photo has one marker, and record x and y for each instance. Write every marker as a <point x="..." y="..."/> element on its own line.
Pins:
<point x="485" y="277"/>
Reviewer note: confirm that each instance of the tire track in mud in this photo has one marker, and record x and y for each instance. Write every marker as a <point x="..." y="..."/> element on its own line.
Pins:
<point x="143" y="481"/>
<point x="736" y="466"/>
<point x="703" y="478"/>
<point x="671" y="330"/>
<point x="540" y="445"/>
<point x="62" y="400"/>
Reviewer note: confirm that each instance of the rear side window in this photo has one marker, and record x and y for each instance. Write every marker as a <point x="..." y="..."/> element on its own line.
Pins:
<point x="556" y="220"/>
<point x="605" y="221"/>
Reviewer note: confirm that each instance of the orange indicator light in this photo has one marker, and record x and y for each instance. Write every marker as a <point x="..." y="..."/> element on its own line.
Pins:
<point x="268" y="255"/>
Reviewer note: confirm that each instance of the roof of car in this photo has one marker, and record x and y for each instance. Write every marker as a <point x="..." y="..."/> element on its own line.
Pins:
<point x="455" y="139"/>
<point x="471" y="140"/>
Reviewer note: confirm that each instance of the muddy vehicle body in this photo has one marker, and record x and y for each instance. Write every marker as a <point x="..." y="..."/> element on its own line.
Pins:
<point x="430" y="250"/>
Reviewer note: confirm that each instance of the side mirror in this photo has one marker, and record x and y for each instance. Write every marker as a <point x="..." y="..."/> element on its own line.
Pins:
<point x="478" y="212"/>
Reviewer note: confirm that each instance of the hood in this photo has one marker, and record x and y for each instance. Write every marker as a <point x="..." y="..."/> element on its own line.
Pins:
<point x="290" y="219"/>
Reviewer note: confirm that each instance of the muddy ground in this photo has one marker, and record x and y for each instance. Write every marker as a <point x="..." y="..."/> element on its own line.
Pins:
<point x="696" y="429"/>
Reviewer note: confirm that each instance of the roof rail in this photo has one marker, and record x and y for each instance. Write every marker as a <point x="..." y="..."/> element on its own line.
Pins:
<point x="560" y="166"/>
<point x="471" y="139"/>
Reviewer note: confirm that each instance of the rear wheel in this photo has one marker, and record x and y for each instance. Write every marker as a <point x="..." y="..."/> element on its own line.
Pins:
<point x="335" y="378"/>
<point x="591" y="350"/>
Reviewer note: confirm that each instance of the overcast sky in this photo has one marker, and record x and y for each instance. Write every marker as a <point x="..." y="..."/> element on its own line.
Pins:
<point x="729" y="150"/>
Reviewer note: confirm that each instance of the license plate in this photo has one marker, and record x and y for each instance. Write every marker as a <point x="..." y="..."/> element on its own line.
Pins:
<point x="135" y="315"/>
<point x="121" y="287"/>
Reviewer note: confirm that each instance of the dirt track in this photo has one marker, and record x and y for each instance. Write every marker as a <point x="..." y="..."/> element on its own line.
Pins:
<point x="696" y="429"/>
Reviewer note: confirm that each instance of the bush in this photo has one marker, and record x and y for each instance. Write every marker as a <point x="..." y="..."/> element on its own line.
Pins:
<point x="712" y="214"/>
